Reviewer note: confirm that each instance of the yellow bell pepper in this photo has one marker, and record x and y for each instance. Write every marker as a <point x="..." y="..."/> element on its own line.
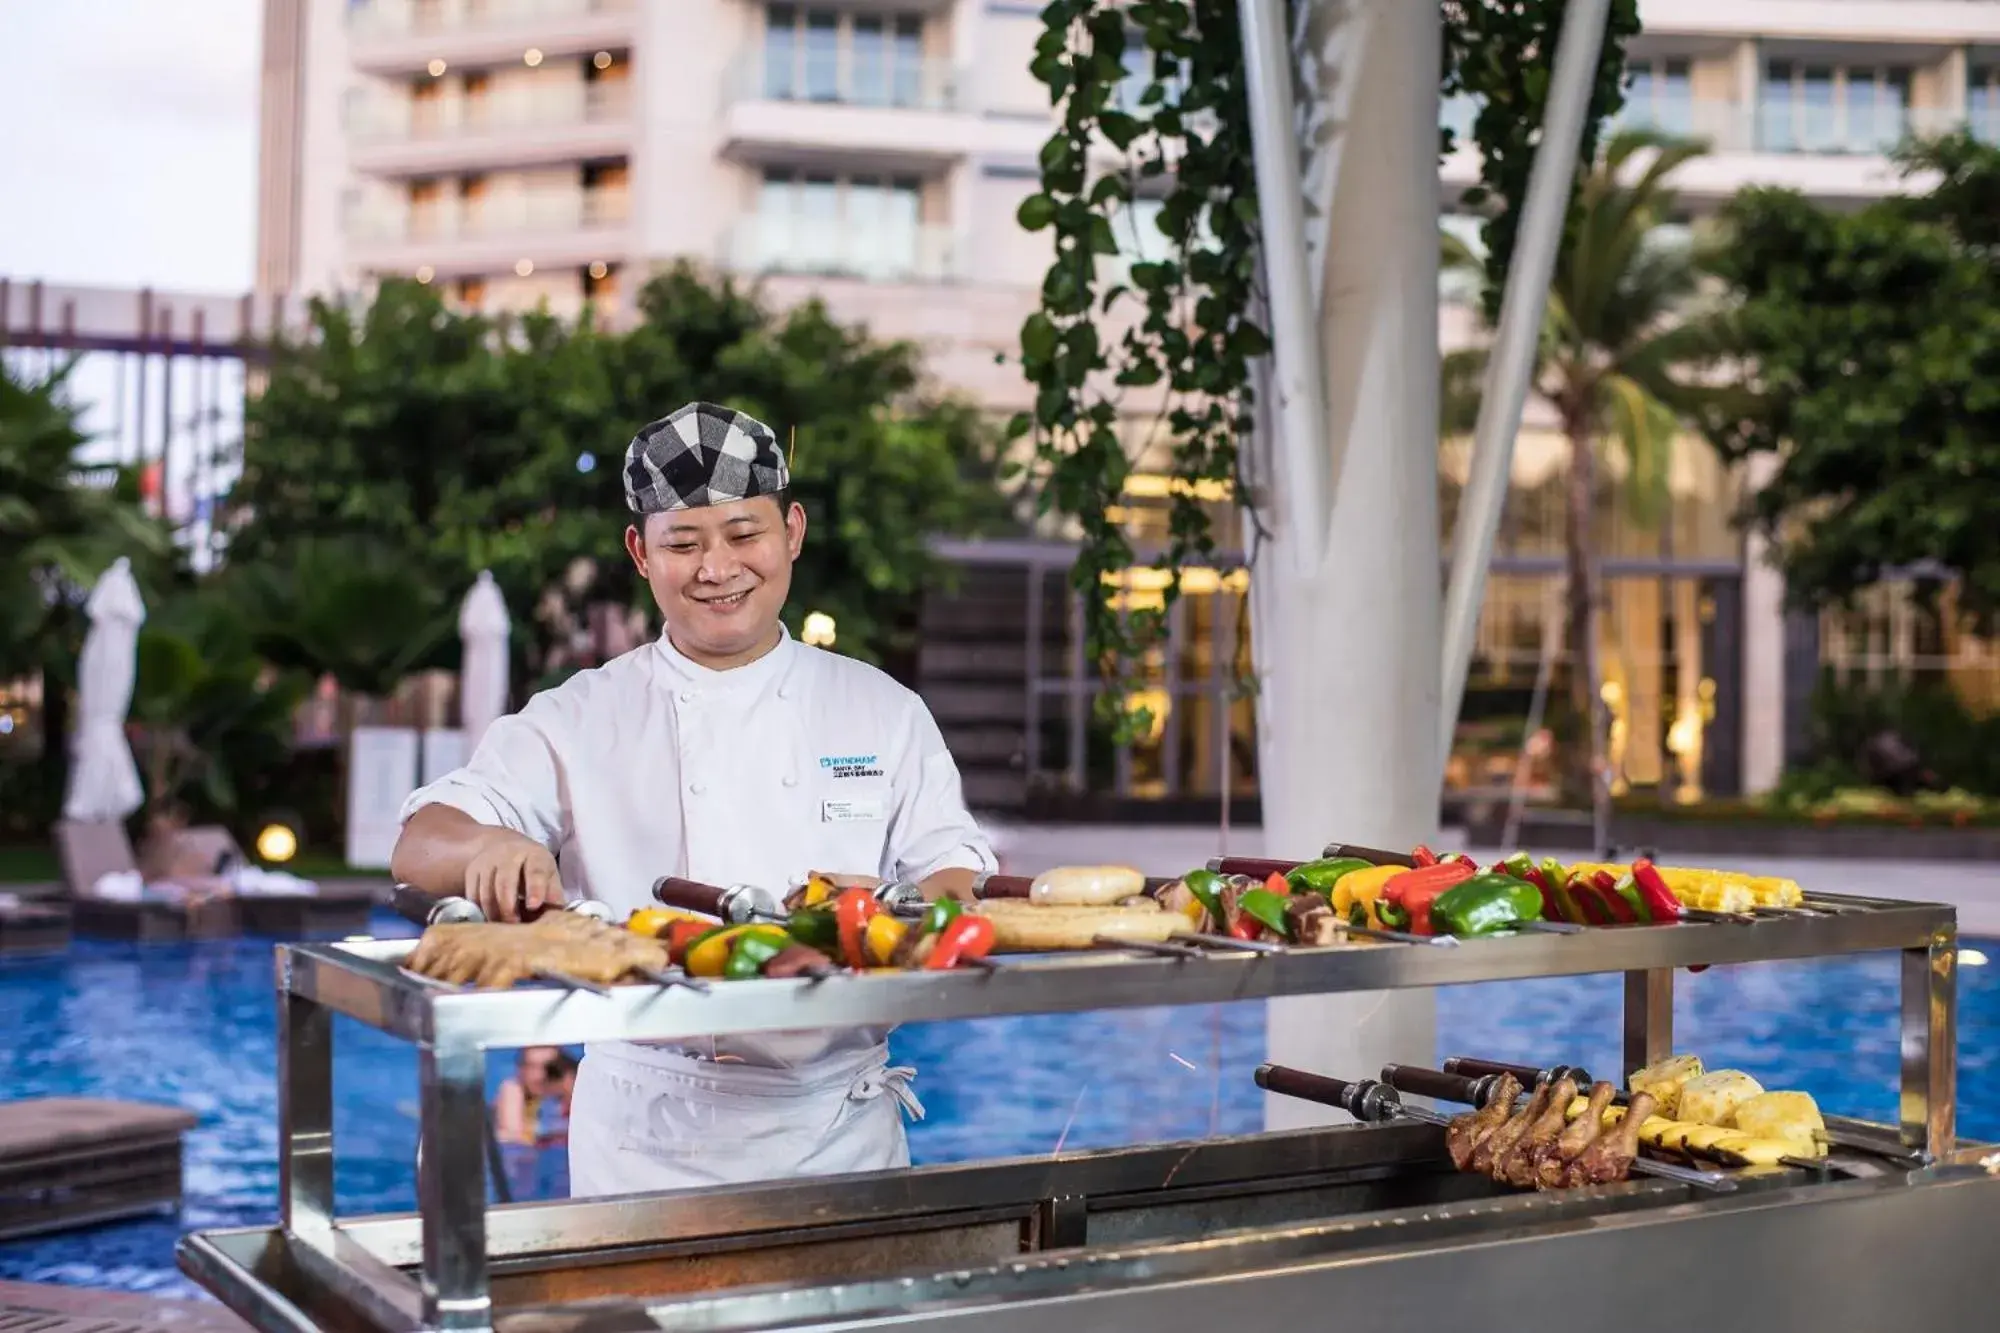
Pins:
<point x="884" y="933"/>
<point x="711" y="955"/>
<point x="1365" y="888"/>
<point x="819" y="891"/>
<point x="654" y="922"/>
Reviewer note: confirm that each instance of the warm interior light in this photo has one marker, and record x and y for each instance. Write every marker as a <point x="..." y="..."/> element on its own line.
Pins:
<point x="524" y="267"/>
<point x="425" y="273"/>
<point x="602" y="60"/>
<point x="819" y="629"/>
<point x="531" y="57"/>
<point x="437" y="68"/>
<point x="1158" y="486"/>
<point x="275" y="842"/>
<point x="598" y="268"/>
<point x="1971" y="958"/>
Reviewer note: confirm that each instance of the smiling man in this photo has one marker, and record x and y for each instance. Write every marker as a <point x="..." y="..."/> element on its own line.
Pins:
<point x="724" y="752"/>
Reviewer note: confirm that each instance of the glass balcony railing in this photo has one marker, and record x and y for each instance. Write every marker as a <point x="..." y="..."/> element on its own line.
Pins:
<point x="539" y="213"/>
<point x="395" y="18"/>
<point x="392" y="119"/>
<point x="910" y="85"/>
<point x="885" y="253"/>
<point x="1782" y="126"/>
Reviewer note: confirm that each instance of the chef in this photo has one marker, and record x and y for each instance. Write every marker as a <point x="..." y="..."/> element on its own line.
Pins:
<point x="728" y="753"/>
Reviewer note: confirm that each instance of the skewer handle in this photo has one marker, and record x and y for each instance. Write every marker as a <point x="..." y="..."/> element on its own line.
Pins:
<point x="1002" y="886"/>
<point x="428" y="909"/>
<point x="1365" y="1100"/>
<point x="1256" y="867"/>
<point x="1375" y="854"/>
<point x="1437" y="1085"/>
<point x="1527" y="1075"/>
<point x="688" y="895"/>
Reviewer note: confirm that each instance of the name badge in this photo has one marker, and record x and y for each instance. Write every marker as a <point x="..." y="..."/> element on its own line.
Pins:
<point x="853" y="811"/>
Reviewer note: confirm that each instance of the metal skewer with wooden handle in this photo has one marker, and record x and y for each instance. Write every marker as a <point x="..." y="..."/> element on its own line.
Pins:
<point x="1374" y="1102"/>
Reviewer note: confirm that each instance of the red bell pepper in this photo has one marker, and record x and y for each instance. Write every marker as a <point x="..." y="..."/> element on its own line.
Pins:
<point x="964" y="939"/>
<point x="1661" y="904"/>
<point x="683" y="933"/>
<point x="1424" y="856"/>
<point x="1605" y="886"/>
<point x="851" y="911"/>
<point x="1246" y="928"/>
<point x="1412" y="892"/>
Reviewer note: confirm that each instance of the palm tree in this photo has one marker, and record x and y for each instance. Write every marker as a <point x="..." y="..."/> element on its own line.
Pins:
<point x="1620" y="333"/>
<point x="58" y="532"/>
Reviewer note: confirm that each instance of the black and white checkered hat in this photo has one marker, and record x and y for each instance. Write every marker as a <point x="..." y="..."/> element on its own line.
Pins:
<point x="702" y="455"/>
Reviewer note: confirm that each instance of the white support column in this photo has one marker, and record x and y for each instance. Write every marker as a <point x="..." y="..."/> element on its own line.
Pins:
<point x="1763" y="652"/>
<point x="1347" y="645"/>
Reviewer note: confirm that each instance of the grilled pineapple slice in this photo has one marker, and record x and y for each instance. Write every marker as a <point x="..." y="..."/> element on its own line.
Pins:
<point x="1665" y="1081"/>
<point x="1790" y="1116"/>
<point x="1713" y="1098"/>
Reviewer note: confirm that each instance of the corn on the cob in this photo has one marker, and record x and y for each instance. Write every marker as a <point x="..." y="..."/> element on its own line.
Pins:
<point x="1715" y="890"/>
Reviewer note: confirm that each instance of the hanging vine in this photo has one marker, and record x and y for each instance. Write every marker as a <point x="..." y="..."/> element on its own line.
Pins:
<point x="1184" y="325"/>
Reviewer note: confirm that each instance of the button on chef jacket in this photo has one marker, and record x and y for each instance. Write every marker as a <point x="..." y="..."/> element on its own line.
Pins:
<point x="652" y="764"/>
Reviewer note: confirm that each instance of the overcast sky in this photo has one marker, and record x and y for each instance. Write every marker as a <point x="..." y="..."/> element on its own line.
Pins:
<point x="128" y="142"/>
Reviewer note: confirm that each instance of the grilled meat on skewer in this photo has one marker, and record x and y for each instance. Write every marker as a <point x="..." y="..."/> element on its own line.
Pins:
<point x="1553" y="1161"/>
<point x="1608" y="1157"/>
<point x="1502" y="1139"/>
<point x="1516" y="1166"/>
<point x="498" y="955"/>
<point x="1178" y="897"/>
<point x="1466" y="1132"/>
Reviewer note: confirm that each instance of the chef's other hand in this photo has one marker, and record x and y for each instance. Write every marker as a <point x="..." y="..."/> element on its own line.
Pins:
<point x="512" y="872"/>
<point x="849" y="881"/>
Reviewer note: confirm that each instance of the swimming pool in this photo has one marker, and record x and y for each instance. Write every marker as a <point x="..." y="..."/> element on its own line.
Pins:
<point x="193" y="1025"/>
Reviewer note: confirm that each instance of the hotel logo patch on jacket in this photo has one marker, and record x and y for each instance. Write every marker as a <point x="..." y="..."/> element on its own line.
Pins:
<point x="850" y="765"/>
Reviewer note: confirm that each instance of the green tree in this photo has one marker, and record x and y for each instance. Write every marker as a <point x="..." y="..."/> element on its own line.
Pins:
<point x="458" y="443"/>
<point x="1619" y="342"/>
<point x="62" y="523"/>
<point x="1867" y="368"/>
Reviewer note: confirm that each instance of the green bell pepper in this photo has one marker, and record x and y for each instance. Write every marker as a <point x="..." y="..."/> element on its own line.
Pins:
<point x="939" y="915"/>
<point x="1206" y="886"/>
<point x="752" y="951"/>
<point x="1266" y="908"/>
<point x="1320" y="876"/>
<point x="1485" y="904"/>
<point x="815" y="926"/>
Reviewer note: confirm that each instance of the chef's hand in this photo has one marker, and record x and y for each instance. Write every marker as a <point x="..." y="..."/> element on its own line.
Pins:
<point x="849" y="881"/>
<point x="511" y="872"/>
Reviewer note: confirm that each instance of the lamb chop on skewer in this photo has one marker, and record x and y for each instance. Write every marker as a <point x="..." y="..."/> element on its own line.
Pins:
<point x="1502" y="1139"/>
<point x="1516" y="1166"/>
<point x="1554" y="1159"/>
<point x="1608" y="1157"/>
<point x="1466" y="1132"/>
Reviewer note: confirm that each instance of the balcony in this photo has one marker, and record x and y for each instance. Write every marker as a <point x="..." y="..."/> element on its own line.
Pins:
<point x="919" y="115"/>
<point x="404" y="36"/>
<point x="549" y="228"/>
<point x="882" y="254"/>
<point x="565" y="122"/>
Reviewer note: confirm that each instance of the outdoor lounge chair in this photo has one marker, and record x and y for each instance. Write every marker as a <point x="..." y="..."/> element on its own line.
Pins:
<point x="33" y="926"/>
<point x="89" y="851"/>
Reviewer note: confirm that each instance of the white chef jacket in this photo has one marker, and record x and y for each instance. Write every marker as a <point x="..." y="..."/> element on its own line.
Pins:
<point x="652" y="765"/>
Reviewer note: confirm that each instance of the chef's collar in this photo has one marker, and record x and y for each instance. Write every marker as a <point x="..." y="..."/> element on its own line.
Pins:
<point x="751" y="675"/>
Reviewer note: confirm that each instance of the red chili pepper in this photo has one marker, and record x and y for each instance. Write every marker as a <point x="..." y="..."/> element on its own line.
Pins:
<point x="1424" y="856"/>
<point x="1661" y="904"/>
<point x="964" y="939"/>
<point x="1415" y="890"/>
<point x="1605" y="886"/>
<point x="851" y="911"/>
<point x="1552" y="905"/>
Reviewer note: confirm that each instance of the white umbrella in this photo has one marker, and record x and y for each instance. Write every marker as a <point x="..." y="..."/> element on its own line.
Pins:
<point x="103" y="780"/>
<point x="482" y="674"/>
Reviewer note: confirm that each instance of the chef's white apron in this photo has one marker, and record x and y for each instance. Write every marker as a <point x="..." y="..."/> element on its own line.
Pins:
<point x="646" y="1118"/>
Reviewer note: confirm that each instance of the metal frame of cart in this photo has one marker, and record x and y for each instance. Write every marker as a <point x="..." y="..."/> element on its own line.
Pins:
<point x="454" y="1031"/>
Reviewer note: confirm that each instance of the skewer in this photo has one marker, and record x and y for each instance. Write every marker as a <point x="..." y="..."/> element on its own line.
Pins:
<point x="433" y="982"/>
<point x="1403" y="936"/>
<point x="1549" y="927"/>
<point x="571" y="983"/>
<point x="1706" y="917"/>
<point x="1369" y="1100"/>
<point x="672" y="977"/>
<point x="1235" y="945"/>
<point x="1159" y="948"/>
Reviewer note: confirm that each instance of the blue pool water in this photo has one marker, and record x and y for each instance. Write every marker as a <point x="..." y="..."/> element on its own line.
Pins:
<point x="192" y="1025"/>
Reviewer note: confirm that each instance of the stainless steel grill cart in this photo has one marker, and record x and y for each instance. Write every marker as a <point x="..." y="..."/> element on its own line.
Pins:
<point x="1275" y="1231"/>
